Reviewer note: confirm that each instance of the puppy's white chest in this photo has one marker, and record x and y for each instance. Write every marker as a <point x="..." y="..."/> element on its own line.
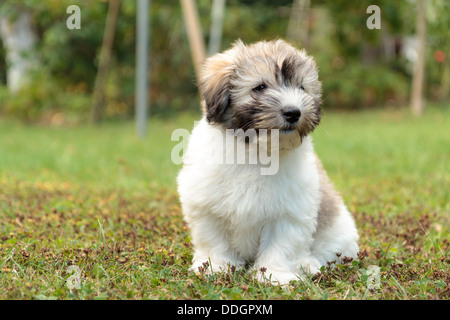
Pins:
<point x="248" y="197"/>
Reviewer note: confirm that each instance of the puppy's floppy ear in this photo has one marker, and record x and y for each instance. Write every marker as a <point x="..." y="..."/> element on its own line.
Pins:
<point x="214" y="85"/>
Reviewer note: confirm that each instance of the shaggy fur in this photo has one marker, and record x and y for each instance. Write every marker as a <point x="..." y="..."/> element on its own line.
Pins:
<point x="285" y="224"/>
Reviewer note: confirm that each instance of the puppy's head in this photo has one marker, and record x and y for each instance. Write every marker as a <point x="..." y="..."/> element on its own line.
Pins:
<point x="266" y="85"/>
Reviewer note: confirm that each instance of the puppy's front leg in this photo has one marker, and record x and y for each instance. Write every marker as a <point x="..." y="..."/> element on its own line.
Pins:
<point x="284" y="252"/>
<point x="212" y="251"/>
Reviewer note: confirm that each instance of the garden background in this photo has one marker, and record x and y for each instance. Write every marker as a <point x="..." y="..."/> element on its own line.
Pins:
<point x="84" y="191"/>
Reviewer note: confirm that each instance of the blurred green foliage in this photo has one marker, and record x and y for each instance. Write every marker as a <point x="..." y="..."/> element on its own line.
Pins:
<point x="354" y="70"/>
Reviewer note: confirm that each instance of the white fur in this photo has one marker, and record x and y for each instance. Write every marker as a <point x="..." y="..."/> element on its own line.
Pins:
<point x="237" y="215"/>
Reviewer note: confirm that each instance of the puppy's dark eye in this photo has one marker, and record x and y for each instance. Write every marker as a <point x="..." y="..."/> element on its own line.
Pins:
<point x="261" y="87"/>
<point x="302" y="87"/>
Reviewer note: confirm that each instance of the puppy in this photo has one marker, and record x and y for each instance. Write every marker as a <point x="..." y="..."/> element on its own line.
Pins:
<point x="286" y="224"/>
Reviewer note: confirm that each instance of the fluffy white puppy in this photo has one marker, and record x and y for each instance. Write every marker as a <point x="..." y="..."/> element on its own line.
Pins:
<point x="285" y="223"/>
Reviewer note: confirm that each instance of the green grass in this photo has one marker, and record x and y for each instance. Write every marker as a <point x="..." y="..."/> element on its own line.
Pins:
<point x="105" y="202"/>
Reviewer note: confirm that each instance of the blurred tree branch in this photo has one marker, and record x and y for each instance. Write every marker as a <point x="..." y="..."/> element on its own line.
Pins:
<point x="105" y="57"/>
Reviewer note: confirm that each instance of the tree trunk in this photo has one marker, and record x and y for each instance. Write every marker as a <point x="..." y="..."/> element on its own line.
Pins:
<point x="19" y="38"/>
<point x="195" y="35"/>
<point x="104" y="61"/>
<point x="419" y="68"/>
<point x="298" y="26"/>
<point x="445" y="82"/>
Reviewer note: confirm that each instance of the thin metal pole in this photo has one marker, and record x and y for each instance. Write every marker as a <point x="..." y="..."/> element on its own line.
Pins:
<point x="142" y="56"/>
<point x="217" y="12"/>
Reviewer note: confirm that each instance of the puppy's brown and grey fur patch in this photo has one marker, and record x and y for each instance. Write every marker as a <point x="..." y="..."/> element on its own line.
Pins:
<point x="330" y="200"/>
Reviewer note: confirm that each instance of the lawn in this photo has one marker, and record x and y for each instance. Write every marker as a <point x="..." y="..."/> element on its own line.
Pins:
<point x="99" y="205"/>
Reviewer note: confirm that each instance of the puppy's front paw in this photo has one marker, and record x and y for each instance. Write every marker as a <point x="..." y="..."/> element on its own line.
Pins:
<point x="309" y="266"/>
<point x="281" y="277"/>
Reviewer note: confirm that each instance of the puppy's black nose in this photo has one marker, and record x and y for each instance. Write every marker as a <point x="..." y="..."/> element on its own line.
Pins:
<point x="291" y="114"/>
